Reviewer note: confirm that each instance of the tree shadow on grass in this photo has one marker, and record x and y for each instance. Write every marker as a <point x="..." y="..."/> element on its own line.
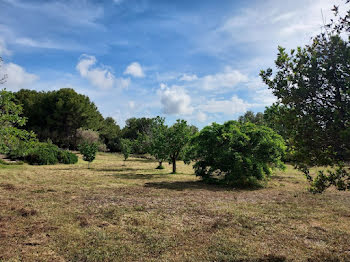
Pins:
<point x="143" y="160"/>
<point x="189" y="185"/>
<point x="120" y="169"/>
<point x="138" y="176"/>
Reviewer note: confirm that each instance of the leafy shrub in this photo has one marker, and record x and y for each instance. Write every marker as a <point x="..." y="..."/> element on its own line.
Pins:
<point x="236" y="154"/>
<point x="88" y="150"/>
<point x="126" y="146"/>
<point x="43" y="154"/>
<point x="49" y="154"/>
<point x="66" y="157"/>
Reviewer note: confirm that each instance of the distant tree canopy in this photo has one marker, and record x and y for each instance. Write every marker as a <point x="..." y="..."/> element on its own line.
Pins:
<point x="136" y="126"/>
<point x="250" y="117"/>
<point x="110" y="134"/>
<point x="313" y="86"/>
<point x="56" y="115"/>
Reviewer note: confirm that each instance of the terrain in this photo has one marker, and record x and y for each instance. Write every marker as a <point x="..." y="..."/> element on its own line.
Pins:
<point x="134" y="212"/>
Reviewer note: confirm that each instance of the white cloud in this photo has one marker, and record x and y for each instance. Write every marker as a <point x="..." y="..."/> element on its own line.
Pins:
<point x="189" y="78"/>
<point x="3" y="48"/>
<point x="228" y="107"/>
<point x="101" y="77"/>
<point x="175" y="100"/>
<point x="135" y="70"/>
<point x="267" y="24"/>
<point x="131" y="104"/>
<point x="228" y="79"/>
<point x="201" y="117"/>
<point x="17" y="77"/>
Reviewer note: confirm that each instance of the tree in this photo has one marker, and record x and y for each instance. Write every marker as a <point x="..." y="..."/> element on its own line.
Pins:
<point x="12" y="138"/>
<point x="237" y="154"/>
<point x="56" y="115"/>
<point x="250" y="117"/>
<point x="110" y="134"/>
<point x="313" y="85"/>
<point x="158" y="145"/>
<point x="88" y="150"/>
<point x="126" y="145"/>
<point x="178" y="137"/>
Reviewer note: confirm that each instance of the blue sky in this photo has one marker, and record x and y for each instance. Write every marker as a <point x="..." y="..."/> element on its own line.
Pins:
<point x="198" y="60"/>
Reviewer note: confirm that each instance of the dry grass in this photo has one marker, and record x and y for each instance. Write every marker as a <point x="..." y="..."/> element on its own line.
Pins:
<point x="113" y="212"/>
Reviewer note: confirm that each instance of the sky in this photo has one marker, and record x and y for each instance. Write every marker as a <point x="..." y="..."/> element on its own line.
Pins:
<point x="197" y="60"/>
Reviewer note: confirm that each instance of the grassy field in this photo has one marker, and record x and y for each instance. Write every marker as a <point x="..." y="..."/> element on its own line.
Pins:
<point x="113" y="212"/>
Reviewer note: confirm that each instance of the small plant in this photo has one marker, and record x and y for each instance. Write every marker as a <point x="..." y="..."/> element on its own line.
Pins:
<point x="88" y="150"/>
<point x="126" y="148"/>
<point x="66" y="157"/>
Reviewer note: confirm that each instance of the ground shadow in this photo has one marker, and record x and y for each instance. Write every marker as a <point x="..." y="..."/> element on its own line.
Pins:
<point x="144" y="160"/>
<point x="119" y="169"/>
<point x="140" y="176"/>
<point x="192" y="185"/>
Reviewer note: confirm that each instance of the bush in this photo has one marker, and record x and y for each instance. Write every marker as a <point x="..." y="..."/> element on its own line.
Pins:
<point x="236" y="154"/>
<point x="43" y="154"/>
<point x="49" y="154"/>
<point x="66" y="157"/>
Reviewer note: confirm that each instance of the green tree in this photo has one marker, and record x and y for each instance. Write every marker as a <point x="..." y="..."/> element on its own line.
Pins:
<point x="88" y="150"/>
<point x="250" y="117"/>
<point x="126" y="146"/>
<point x="313" y="85"/>
<point x="237" y="154"/>
<point x="11" y="137"/>
<point x="56" y="115"/>
<point x="110" y="134"/>
<point x="158" y="145"/>
<point x="178" y="137"/>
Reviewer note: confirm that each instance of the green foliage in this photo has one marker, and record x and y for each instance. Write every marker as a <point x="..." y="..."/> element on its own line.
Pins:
<point x="158" y="145"/>
<point x="236" y="154"/>
<point x="43" y="154"/>
<point x="138" y="131"/>
<point x="110" y="134"/>
<point x="178" y="138"/>
<point x="88" y="150"/>
<point x="58" y="114"/>
<point x="66" y="157"/>
<point x="250" y="117"/>
<point x="126" y="146"/>
<point x="136" y="126"/>
<point x="13" y="140"/>
<point x="313" y="86"/>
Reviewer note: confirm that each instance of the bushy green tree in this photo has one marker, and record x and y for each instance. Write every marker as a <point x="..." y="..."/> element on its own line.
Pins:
<point x="88" y="150"/>
<point x="138" y="131"/>
<point x="126" y="146"/>
<point x="236" y="154"/>
<point x="158" y="144"/>
<point x="13" y="140"/>
<point x="251" y="117"/>
<point x="178" y="138"/>
<point x="313" y="85"/>
<point x="56" y="115"/>
<point x="110" y="134"/>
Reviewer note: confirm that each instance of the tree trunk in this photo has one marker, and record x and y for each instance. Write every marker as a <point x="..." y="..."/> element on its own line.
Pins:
<point x="174" y="165"/>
